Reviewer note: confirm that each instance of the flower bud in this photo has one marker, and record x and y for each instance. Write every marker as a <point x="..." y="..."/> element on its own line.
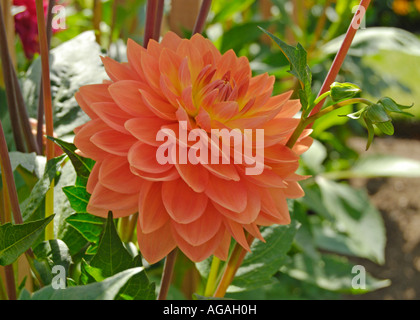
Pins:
<point x="340" y="91"/>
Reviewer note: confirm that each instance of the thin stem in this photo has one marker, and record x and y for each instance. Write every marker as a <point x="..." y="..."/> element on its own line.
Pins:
<point x="149" y="31"/>
<point x="168" y="270"/>
<point x="319" y="26"/>
<point x="6" y="169"/>
<point x="9" y="84"/>
<point x="113" y="21"/>
<point x="40" y="116"/>
<point x="127" y="226"/>
<point x="159" y="19"/>
<point x="97" y="18"/>
<point x="211" y="281"/>
<point x="202" y="17"/>
<point x="235" y="261"/>
<point x="43" y="44"/>
<point x="3" y="292"/>
<point x="342" y="53"/>
<point x="10" y="282"/>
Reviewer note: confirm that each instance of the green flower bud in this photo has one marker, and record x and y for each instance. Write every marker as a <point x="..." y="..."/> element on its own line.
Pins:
<point x="340" y="91"/>
<point x="376" y="113"/>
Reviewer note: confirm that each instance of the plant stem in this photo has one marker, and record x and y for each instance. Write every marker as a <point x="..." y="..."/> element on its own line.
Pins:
<point x="159" y="19"/>
<point x="235" y="261"/>
<point x="149" y="31"/>
<point x="202" y="17"/>
<point x="211" y="281"/>
<point x="10" y="282"/>
<point x="43" y="44"/>
<point x="3" y="292"/>
<point x="342" y="53"/>
<point x="40" y="117"/>
<point x="97" y="18"/>
<point x="168" y="270"/>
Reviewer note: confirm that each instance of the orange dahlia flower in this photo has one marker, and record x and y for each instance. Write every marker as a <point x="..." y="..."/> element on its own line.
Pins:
<point x="195" y="207"/>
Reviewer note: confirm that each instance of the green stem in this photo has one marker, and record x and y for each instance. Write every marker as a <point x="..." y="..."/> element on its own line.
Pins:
<point x="212" y="279"/>
<point x="3" y="292"/>
<point x="306" y="122"/>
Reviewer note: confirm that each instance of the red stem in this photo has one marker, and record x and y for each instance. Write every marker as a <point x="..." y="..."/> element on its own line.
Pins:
<point x="159" y="18"/>
<point x="202" y="16"/>
<point x="342" y="53"/>
<point x="46" y="86"/>
<point x="149" y="31"/>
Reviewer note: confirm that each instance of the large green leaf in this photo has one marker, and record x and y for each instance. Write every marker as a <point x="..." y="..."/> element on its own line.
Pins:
<point x="265" y="259"/>
<point x="352" y="226"/>
<point x="34" y="204"/>
<point x="73" y="64"/>
<point x="379" y="166"/>
<point x="16" y="239"/>
<point x="331" y="272"/>
<point x="89" y="226"/>
<point x="78" y="198"/>
<point x="107" y="289"/>
<point x="49" y="254"/>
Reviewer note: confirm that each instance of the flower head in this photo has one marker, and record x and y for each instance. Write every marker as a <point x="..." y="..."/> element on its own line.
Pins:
<point x="26" y="25"/>
<point x="196" y="207"/>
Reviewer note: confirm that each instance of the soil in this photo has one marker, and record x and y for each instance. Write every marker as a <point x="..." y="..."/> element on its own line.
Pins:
<point x="398" y="199"/>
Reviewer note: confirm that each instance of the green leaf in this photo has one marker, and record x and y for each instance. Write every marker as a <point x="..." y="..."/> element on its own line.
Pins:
<point x="380" y="166"/>
<point x="34" y="204"/>
<point x="78" y="198"/>
<point x="73" y="64"/>
<point x="111" y="257"/>
<point x="88" y="225"/>
<point x="83" y="166"/>
<point x="265" y="259"/>
<point x="49" y="254"/>
<point x="297" y="57"/>
<point x="107" y="289"/>
<point x="16" y="239"/>
<point x="386" y="127"/>
<point x="370" y="129"/>
<point x="377" y="113"/>
<point x="332" y="273"/>
<point x="355" y="226"/>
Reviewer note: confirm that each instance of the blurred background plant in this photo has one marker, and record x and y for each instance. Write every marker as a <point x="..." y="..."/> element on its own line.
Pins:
<point x="337" y="224"/>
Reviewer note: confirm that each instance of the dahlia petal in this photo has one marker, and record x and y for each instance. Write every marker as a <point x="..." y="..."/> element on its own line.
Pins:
<point x="201" y="230"/>
<point x="266" y="220"/>
<point x="222" y="251"/>
<point x="113" y="142"/>
<point x="230" y="194"/>
<point x="156" y="245"/>
<point x="293" y="190"/>
<point x="143" y="157"/>
<point x="152" y="212"/>
<point x="196" y="176"/>
<point x="237" y="232"/>
<point x="223" y="171"/>
<point x="169" y="64"/>
<point x="134" y="52"/>
<point x="186" y="49"/>
<point x="111" y="114"/>
<point x="95" y="93"/>
<point x="225" y="110"/>
<point x="127" y="95"/>
<point x="158" y="106"/>
<point x="84" y="106"/>
<point x="146" y="129"/>
<point x="187" y="99"/>
<point x="115" y="175"/>
<point x="249" y="214"/>
<point x="200" y="252"/>
<point x="150" y="66"/>
<point x="169" y="90"/>
<point x="182" y="203"/>
<point x="279" y="153"/>
<point x="302" y="146"/>
<point x="171" y="40"/>
<point x="169" y="175"/>
<point x="290" y="109"/>
<point x="118" y="71"/>
<point x="254" y="231"/>
<point x="83" y="143"/>
<point x="275" y="104"/>
<point x="226" y="63"/>
<point x="93" y="178"/>
<point x="121" y="204"/>
<point x="274" y="204"/>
